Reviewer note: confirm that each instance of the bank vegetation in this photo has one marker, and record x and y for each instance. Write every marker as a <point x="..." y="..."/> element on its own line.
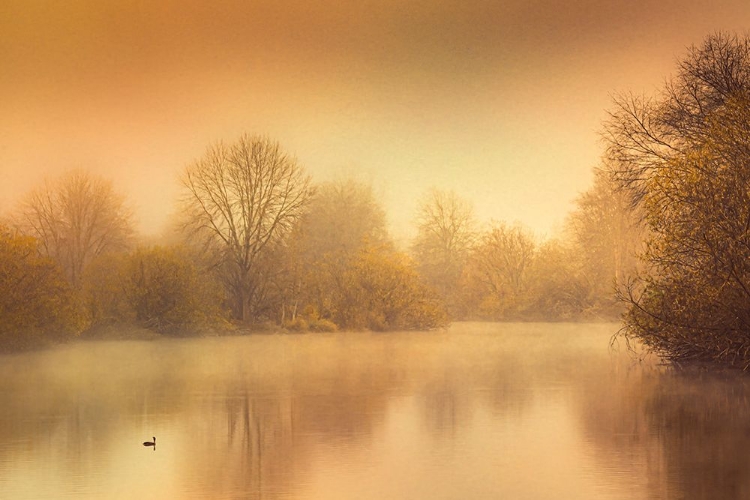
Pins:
<point x="683" y="156"/>
<point x="258" y="245"/>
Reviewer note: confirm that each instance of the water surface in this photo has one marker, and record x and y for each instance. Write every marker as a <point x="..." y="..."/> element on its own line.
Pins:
<point x="479" y="411"/>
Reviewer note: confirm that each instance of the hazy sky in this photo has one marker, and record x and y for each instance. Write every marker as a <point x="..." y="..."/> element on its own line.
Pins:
<point x="501" y="101"/>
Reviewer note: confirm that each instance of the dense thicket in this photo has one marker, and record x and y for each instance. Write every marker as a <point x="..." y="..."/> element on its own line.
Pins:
<point x="37" y="304"/>
<point x="346" y="272"/>
<point x="158" y="288"/>
<point x="684" y="155"/>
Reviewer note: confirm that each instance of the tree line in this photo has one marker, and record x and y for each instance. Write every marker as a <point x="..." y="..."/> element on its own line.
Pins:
<point x="258" y="244"/>
<point x="665" y="225"/>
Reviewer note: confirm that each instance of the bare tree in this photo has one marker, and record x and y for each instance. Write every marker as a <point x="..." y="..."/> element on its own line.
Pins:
<point x="643" y="134"/>
<point x="240" y="198"/>
<point x="609" y="233"/>
<point x="76" y="218"/>
<point x="499" y="267"/>
<point x="446" y="233"/>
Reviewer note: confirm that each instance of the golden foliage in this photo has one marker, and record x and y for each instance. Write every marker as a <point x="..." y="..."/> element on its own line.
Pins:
<point x="36" y="302"/>
<point x="159" y="288"/>
<point x="382" y="291"/>
<point x="690" y="172"/>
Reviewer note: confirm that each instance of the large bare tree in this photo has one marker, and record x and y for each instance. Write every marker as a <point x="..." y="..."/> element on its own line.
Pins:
<point x="76" y="217"/>
<point x="239" y="199"/>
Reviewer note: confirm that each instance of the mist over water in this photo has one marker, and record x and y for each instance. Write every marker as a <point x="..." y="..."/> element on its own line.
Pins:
<point x="476" y="411"/>
<point x="173" y="173"/>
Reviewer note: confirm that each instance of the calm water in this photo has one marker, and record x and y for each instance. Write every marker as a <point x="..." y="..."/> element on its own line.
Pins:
<point x="480" y="411"/>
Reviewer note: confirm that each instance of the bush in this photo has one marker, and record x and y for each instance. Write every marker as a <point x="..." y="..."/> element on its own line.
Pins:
<point x="297" y="324"/>
<point x="310" y="324"/>
<point x="382" y="291"/>
<point x="322" y="325"/>
<point x="37" y="304"/>
<point x="157" y="288"/>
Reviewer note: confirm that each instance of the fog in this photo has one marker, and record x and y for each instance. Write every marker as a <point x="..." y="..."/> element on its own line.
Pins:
<point x="500" y="102"/>
<point x="363" y="250"/>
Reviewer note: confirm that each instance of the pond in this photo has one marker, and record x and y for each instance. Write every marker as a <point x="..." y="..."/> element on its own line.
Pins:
<point x="477" y="411"/>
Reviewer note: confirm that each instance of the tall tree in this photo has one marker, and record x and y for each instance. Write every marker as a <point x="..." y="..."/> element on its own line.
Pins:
<point x="557" y="290"/>
<point x="342" y="218"/>
<point x="446" y="233"/>
<point x="686" y="158"/>
<point x="238" y="199"/>
<point x="76" y="218"/>
<point x="607" y="232"/>
<point x="342" y="270"/>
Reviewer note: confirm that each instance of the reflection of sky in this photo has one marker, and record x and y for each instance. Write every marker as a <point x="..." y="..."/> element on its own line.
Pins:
<point x="499" y="100"/>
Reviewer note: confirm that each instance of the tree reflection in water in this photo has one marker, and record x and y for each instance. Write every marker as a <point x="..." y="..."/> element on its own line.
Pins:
<point x="684" y="432"/>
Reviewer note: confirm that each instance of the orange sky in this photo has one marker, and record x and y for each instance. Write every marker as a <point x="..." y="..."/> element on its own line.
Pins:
<point x="501" y="101"/>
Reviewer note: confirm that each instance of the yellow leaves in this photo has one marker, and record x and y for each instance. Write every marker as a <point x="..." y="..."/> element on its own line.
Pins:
<point x="36" y="302"/>
<point x="158" y="288"/>
<point x="378" y="289"/>
<point x="342" y="268"/>
<point x="695" y="295"/>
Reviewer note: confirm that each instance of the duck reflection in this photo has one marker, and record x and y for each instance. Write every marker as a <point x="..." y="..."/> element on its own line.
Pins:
<point x="151" y="443"/>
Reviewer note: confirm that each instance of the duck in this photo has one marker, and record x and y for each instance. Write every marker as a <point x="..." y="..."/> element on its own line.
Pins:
<point x="150" y="443"/>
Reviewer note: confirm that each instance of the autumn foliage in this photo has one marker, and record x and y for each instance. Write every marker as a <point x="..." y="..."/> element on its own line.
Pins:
<point x="37" y="304"/>
<point x="685" y="158"/>
<point x="158" y="288"/>
<point x="343" y="269"/>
